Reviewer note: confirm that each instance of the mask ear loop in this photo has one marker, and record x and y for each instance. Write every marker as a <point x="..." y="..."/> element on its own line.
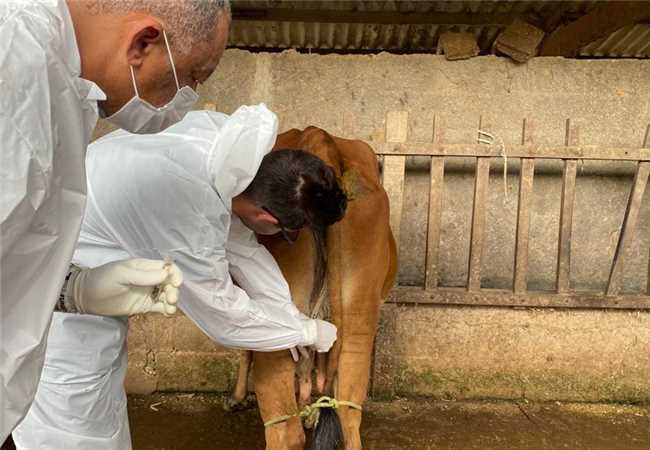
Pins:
<point x="171" y="60"/>
<point x="135" y="87"/>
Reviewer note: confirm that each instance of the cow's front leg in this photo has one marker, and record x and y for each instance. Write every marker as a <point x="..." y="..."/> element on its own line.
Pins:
<point x="274" y="377"/>
<point x="357" y="337"/>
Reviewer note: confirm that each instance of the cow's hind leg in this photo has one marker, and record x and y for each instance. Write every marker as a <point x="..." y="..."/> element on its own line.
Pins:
<point x="357" y="338"/>
<point x="239" y="399"/>
<point x="274" y="377"/>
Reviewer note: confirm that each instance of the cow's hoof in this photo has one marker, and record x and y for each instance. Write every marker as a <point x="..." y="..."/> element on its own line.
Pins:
<point x="232" y="404"/>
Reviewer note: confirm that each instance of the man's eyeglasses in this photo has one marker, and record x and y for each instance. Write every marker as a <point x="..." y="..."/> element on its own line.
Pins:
<point x="287" y="234"/>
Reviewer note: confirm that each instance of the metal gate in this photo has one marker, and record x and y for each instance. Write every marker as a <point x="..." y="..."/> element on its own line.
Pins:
<point x="394" y="152"/>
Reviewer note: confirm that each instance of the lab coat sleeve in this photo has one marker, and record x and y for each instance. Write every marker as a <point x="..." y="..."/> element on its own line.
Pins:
<point x="229" y="316"/>
<point x="255" y="270"/>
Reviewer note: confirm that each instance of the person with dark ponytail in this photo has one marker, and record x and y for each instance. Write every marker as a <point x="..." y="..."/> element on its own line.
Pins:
<point x="194" y="195"/>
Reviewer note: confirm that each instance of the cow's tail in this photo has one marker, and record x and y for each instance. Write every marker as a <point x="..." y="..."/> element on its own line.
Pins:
<point x="328" y="434"/>
<point x="320" y="264"/>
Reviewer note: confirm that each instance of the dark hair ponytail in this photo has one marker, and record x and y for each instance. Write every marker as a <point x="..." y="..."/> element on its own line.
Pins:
<point x="323" y="201"/>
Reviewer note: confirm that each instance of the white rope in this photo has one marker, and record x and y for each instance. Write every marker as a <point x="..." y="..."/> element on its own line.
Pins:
<point x="485" y="137"/>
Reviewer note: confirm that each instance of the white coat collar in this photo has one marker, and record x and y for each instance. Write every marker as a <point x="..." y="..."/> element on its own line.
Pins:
<point x="86" y="89"/>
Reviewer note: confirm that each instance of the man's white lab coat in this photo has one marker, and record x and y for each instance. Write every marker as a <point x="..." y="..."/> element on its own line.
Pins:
<point x="47" y="112"/>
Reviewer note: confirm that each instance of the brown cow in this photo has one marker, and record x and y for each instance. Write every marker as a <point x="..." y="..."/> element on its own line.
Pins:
<point x="362" y="265"/>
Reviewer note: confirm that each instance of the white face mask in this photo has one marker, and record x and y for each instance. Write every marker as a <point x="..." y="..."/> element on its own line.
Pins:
<point x="140" y="116"/>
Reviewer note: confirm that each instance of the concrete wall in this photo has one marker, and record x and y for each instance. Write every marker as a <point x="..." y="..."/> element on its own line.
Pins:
<point x="450" y="351"/>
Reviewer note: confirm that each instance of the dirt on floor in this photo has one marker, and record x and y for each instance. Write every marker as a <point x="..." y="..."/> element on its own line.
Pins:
<point x="198" y="422"/>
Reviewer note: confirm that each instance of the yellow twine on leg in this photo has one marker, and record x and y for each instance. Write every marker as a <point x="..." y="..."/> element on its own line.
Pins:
<point x="310" y="413"/>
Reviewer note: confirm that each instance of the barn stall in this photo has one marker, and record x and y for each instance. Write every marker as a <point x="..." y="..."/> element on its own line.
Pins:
<point x="514" y="143"/>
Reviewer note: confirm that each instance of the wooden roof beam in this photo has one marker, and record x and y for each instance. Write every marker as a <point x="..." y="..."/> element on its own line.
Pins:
<point x="600" y="22"/>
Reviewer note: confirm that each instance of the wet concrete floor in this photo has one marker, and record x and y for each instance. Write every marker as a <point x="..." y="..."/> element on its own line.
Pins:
<point x="198" y="422"/>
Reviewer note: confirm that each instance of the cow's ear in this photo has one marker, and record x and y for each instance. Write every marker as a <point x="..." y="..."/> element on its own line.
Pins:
<point x="350" y="183"/>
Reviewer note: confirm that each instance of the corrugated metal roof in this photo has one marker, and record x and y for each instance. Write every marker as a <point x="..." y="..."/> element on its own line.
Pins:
<point x="350" y="36"/>
<point x="422" y="6"/>
<point x="369" y="25"/>
<point x="628" y="42"/>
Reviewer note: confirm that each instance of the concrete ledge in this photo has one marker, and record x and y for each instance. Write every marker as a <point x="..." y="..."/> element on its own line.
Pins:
<point x="448" y="353"/>
<point x="180" y="371"/>
<point x="399" y="380"/>
<point x="541" y="355"/>
<point x="172" y="354"/>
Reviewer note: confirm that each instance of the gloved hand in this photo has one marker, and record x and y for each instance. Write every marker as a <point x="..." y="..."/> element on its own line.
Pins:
<point x="125" y="288"/>
<point x="318" y="333"/>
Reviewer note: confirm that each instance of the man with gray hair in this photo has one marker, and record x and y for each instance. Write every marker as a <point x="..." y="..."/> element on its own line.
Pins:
<point x="62" y="64"/>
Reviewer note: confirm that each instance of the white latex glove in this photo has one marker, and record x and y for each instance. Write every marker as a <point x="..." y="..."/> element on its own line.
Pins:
<point x="318" y="334"/>
<point x="125" y="288"/>
<point x="297" y="352"/>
